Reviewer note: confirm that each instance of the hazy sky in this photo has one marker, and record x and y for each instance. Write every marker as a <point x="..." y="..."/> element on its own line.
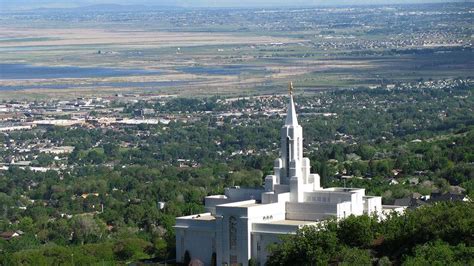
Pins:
<point x="28" y="4"/>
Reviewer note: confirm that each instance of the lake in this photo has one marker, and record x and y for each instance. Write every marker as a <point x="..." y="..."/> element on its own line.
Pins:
<point x="25" y="71"/>
<point x="97" y="85"/>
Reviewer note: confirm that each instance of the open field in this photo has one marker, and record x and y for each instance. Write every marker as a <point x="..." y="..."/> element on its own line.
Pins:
<point x="61" y="54"/>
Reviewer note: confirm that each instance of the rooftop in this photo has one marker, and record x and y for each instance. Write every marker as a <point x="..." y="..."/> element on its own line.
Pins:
<point x="249" y="205"/>
<point x="243" y="204"/>
<point x="199" y="217"/>
<point x="293" y="222"/>
<point x="204" y="217"/>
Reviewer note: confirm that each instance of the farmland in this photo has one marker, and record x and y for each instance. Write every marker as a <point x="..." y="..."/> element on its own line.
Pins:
<point x="232" y="51"/>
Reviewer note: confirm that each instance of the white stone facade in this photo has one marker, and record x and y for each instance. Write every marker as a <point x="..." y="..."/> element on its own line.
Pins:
<point x="240" y="224"/>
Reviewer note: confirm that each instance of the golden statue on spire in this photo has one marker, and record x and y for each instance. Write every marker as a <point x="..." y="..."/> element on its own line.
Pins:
<point x="290" y="88"/>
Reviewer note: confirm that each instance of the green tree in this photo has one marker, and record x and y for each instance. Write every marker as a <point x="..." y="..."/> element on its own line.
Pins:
<point x="355" y="256"/>
<point x="357" y="231"/>
<point x="44" y="159"/>
<point x="95" y="157"/>
<point x="130" y="249"/>
<point x="111" y="150"/>
<point x="86" y="229"/>
<point x="366" y="152"/>
<point x="440" y="253"/>
<point x="312" y="245"/>
<point x="26" y="224"/>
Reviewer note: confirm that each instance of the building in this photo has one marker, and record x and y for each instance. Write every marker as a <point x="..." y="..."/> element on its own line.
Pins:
<point x="10" y="235"/>
<point x="240" y="224"/>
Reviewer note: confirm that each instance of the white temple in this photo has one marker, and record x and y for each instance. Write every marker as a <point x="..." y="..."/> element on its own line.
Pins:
<point x="242" y="223"/>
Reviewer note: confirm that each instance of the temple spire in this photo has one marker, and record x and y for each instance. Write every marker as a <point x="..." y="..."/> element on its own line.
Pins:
<point x="291" y="119"/>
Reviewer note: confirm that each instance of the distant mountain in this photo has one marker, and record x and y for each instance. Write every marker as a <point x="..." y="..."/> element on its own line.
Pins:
<point x="9" y="5"/>
<point x="107" y="7"/>
<point x="84" y="5"/>
<point x="111" y="7"/>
